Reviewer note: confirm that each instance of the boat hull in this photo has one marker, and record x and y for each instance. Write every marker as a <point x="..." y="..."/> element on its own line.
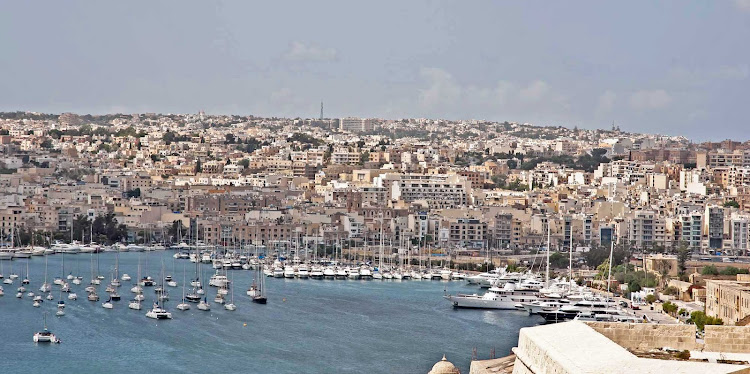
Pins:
<point x="479" y="303"/>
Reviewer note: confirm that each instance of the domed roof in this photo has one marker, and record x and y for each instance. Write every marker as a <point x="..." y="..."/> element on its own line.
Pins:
<point x="444" y="367"/>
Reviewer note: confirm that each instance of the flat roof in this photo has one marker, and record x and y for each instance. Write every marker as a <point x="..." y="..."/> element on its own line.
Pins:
<point x="580" y="349"/>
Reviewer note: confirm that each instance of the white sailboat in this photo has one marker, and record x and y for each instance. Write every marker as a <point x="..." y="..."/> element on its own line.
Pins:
<point x="135" y="304"/>
<point x="45" y="287"/>
<point x="231" y="305"/>
<point x="204" y="306"/>
<point x="26" y="278"/>
<point x="183" y="305"/>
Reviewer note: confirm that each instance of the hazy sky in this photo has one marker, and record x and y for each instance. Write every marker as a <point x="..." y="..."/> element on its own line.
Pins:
<point x="675" y="67"/>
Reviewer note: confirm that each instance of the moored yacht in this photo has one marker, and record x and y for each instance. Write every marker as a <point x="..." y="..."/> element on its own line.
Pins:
<point x="353" y="273"/>
<point x="317" y="272"/>
<point x="494" y="298"/>
<point x="302" y="272"/>
<point x="45" y="336"/>
<point x="445" y="274"/>
<point x="158" y="312"/>
<point x="288" y="271"/>
<point x="218" y="280"/>
<point x="365" y="272"/>
<point x="135" y="304"/>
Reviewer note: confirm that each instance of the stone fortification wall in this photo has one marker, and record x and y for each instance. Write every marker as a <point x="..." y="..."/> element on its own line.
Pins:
<point x="645" y="336"/>
<point x="727" y="339"/>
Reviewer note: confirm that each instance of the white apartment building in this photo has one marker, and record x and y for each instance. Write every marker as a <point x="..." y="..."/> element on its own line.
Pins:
<point x="691" y="226"/>
<point x="647" y="229"/>
<point x="353" y="124"/>
<point x="739" y="233"/>
<point x="625" y="171"/>
<point x="439" y="190"/>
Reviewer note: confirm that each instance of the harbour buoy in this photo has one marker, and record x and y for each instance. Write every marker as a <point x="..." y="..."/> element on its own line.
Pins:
<point x="244" y="325"/>
<point x="284" y="299"/>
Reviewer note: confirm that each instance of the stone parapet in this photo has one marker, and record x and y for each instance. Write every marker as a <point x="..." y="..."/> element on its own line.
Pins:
<point x="644" y="336"/>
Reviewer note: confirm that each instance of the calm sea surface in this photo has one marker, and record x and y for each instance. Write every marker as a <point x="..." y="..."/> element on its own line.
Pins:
<point x="308" y="326"/>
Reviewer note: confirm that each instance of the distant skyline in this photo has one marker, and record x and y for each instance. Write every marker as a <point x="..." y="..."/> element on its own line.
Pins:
<point x="671" y="67"/>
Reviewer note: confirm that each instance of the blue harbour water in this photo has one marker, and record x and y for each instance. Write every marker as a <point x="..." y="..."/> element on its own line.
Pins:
<point x="308" y="325"/>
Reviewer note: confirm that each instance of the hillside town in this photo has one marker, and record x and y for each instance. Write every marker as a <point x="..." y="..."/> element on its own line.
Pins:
<point x="463" y="186"/>
<point x="471" y="195"/>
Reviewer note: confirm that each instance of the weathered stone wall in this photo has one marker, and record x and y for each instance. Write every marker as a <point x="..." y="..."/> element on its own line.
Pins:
<point x="502" y="365"/>
<point x="727" y="339"/>
<point x="644" y="336"/>
<point x="531" y="357"/>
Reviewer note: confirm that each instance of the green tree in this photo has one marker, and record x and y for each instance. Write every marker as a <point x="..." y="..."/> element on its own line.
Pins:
<point x="364" y="157"/>
<point x="136" y="192"/>
<point x="700" y="319"/>
<point x="732" y="204"/>
<point x="731" y="270"/>
<point x="683" y="255"/>
<point x="557" y="260"/>
<point x="108" y="229"/>
<point x="710" y="270"/>
<point x="669" y="308"/>
<point x="80" y="226"/>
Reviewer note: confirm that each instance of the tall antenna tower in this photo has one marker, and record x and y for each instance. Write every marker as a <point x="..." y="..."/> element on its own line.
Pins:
<point x="321" y="110"/>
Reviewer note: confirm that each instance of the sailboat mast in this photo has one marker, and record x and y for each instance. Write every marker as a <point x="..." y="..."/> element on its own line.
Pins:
<point x="381" y="240"/>
<point x="609" y="274"/>
<point x="549" y="235"/>
<point x="570" y="259"/>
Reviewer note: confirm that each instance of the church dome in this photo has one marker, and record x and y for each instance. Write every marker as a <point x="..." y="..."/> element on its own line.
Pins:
<point x="444" y="367"/>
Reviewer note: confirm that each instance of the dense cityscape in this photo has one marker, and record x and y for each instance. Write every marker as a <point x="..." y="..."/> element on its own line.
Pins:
<point x="439" y="187"/>
<point x="377" y="199"/>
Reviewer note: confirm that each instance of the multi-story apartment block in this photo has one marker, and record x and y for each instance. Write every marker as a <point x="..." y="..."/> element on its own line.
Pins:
<point x="691" y="228"/>
<point x="714" y="226"/>
<point x="646" y="230"/>
<point x="739" y="233"/>
<point x="588" y="225"/>
<point x="723" y="158"/>
<point x="352" y="124"/>
<point x="346" y="157"/>
<point x="438" y="190"/>
<point x="502" y="231"/>
<point x="468" y="233"/>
